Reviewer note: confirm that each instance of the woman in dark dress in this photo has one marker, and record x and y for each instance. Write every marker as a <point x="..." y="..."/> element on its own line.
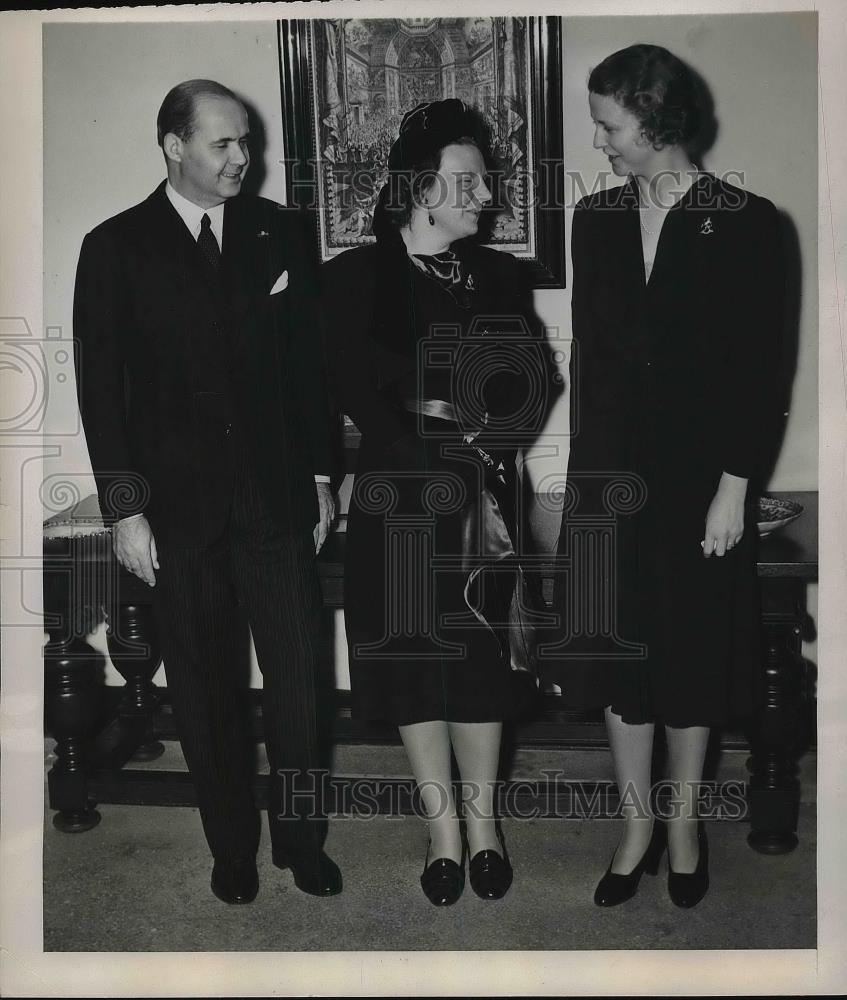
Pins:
<point x="676" y="321"/>
<point x="434" y="355"/>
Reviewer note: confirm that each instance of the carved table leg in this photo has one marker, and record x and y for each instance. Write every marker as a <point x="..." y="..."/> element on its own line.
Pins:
<point x="134" y="651"/>
<point x="72" y="689"/>
<point x="774" y="791"/>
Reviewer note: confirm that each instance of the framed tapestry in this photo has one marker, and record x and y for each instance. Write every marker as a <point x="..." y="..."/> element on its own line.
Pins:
<point x="346" y="84"/>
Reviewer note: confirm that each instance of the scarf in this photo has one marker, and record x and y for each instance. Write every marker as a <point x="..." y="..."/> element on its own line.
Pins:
<point x="451" y="273"/>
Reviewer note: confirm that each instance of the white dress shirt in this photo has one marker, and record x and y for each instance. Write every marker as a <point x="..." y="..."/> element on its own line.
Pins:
<point x="192" y="215"/>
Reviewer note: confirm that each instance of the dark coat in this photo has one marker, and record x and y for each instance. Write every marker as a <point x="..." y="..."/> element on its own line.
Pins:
<point x="380" y="313"/>
<point x="694" y="351"/>
<point x="176" y="374"/>
<point x="672" y="384"/>
<point x="374" y="325"/>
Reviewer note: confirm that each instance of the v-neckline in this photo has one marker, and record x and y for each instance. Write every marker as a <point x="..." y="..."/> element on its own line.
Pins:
<point x="646" y="278"/>
<point x="645" y="275"/>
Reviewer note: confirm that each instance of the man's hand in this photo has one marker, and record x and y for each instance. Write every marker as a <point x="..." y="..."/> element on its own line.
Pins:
<point x="725" y="518"/>
<point x="135" y="547"/>
<point x="326" y="503"/>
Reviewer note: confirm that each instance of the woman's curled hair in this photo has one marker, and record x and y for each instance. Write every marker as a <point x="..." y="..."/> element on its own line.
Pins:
<point x="656" y="87"/>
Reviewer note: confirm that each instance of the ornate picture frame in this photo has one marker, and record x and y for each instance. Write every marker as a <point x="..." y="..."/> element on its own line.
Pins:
<point x="346" y="83"/>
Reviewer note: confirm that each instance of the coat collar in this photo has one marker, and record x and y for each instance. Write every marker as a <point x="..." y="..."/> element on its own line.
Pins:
<point x="177" y="249"/>
<point x="683" y="219"/>
<point x="240" y="218"/>
<point x="192" y="214"/>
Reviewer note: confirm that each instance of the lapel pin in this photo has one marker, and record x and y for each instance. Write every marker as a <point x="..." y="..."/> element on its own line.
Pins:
<point x="706" y="227"/>
<point x="263" y="233"/>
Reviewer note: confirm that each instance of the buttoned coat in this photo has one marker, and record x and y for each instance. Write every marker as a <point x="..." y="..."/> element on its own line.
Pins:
<point x="169" y="363"/>
<point x="672" y="384"/>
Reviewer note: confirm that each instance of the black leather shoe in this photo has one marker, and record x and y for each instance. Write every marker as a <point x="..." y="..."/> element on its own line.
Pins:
<point x="613" y="889"/>
<point x="687" y="890"/>
<point x="490" y="873"/>
<point x="319" y="876"/>
<point x="443" y="880"/>
<point x="236" y="880"/>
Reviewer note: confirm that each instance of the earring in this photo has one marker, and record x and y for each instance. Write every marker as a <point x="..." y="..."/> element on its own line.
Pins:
<point x="431" y="220"/>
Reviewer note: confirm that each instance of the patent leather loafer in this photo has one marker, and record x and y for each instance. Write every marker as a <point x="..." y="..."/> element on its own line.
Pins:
<point x="490" y="872"/>
<point x="235" y="881"/>
<point x="613" y="889"/>
<point x="686" y="890"/>
<point x="319" y="876"/>
<point x="443" y="880"/>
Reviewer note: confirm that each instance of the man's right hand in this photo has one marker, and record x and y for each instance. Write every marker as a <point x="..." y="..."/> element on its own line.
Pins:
<point x="135" y="547"/>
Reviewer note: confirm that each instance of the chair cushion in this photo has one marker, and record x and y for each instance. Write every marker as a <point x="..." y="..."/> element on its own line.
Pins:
<point x="81" y="518"/>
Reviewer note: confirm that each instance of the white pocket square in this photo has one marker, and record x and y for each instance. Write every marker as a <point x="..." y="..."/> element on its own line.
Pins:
<point x="280" y="283"/>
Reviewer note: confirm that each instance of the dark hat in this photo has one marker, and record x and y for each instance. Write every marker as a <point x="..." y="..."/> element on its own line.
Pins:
<point x="430" y="127"/>
<point x="424" y="131"/>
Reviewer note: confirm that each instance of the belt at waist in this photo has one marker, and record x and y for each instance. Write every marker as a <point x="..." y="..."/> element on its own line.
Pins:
<point x="431" y="408"/>
<point x="439" y="408"/>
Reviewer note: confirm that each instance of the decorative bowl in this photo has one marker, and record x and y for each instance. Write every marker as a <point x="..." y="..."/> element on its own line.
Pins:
<point x="774" y="513"/>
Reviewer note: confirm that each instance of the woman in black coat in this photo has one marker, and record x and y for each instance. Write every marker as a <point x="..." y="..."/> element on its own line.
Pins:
<point x="435" y="356"/>
<point x="676" y="284"/>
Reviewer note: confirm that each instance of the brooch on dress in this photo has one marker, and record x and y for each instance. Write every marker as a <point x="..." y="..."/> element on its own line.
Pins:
<point x="706" y="227"/>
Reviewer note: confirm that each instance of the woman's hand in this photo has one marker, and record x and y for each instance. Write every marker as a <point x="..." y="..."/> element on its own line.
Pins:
<point x="725" y="517"/>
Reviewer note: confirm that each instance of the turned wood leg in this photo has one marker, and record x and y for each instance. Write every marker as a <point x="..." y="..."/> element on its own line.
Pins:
<point x="73" y="685"/>
<point x="134" y="651"/>
<point x="774" y="790"/>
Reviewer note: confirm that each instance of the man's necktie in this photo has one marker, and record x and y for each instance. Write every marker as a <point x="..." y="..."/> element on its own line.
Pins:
<point x="207" y="243"/>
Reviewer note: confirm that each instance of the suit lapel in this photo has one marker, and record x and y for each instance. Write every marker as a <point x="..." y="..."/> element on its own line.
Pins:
<point x="233" y="239"/>
<point x="631" y="259"/>
<point x="168" y="229"/>
<point x="174" y="249"/>
<point x="242" y="267"/>
<point x="678" y="239"/>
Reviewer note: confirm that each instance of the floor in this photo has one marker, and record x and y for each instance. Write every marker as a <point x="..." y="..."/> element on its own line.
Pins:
<point x="156" y="859"/>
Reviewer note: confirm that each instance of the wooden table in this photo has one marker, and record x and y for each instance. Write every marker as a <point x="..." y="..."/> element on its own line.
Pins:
<point x="785" y="725"/>
<point x="97" y="735"/>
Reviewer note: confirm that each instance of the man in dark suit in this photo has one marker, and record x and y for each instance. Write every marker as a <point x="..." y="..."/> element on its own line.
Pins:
<point x="200" y="381"/>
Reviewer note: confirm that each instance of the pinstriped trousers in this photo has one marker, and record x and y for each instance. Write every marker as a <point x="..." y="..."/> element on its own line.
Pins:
<point x="266" y="575"/>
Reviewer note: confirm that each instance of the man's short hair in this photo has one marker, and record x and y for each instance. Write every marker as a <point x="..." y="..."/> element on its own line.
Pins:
<point x="177" y="111"/>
